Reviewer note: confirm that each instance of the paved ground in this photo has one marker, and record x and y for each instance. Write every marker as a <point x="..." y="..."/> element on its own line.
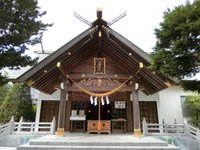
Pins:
<point x="8" y="148"/>
<point x="93" y="138"/>
<point x="104" y="138"/>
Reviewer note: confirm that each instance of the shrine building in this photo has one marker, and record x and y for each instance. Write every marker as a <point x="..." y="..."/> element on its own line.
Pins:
<point x="100" y="82"/>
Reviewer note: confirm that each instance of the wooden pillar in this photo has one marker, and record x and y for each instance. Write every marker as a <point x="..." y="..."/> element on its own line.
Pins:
<point x="136" y="113"/>
<point x="99" y="114"/>
<point x="62" y="108"/>
<point x="129" y="115"/>
<point x="68" y="113"/>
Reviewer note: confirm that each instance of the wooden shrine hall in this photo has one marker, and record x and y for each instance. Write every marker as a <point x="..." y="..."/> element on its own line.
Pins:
<point x="98" y="75"/>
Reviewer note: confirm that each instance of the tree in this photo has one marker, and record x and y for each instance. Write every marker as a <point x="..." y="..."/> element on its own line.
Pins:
<point x="17" y="103"/>
<point x="193" y="101"/>
<point x="177" y="50"/>
<point x="4" y="89"/>
<point x="19" y="27"/>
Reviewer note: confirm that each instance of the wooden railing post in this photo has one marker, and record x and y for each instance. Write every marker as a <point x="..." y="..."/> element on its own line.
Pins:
<point x="20" y="124"/>
<point x="145" y="127"/>
<point x="53" y="126"/>
<point x="11" y="125"/>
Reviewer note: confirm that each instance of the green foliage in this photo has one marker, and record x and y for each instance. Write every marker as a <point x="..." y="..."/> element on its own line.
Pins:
<point x="34" y="109"/>
<point x="3" y="92"/>
<point x="177" y="49"/>
<point x="17" y="103"/>
<point x="193" y="102"/>
<point x="19" y="27"/>
<point x="192" y="85"/>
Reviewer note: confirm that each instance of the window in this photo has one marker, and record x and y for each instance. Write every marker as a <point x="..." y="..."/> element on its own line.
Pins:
<point x="185" y="109"/>
<point x="148" y="110"/>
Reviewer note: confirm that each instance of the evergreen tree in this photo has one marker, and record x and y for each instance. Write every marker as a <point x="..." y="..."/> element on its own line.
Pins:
<point x="177" y="51"/>
<point x="19" y="27"/>
<point x="193" y="102"/>
<point x="4" y="89"/>
<point x="17" y="103"/>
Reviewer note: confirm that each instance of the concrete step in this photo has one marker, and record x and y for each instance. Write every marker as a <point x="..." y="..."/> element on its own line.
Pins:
<point x="96" y="142"/>
<point x="47" y="147"/>
<point x="100" y="143"/>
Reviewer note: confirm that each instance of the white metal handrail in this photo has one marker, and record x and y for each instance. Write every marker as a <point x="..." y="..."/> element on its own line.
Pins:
<point x="170" y="129"/>
<point x="28" y="127"/>
<point x="194" y="132"/>
<point x="32" y="126"/>
<point x="4" y="129"/>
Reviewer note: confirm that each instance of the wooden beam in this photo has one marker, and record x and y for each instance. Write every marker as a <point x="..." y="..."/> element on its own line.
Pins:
<point x="49" y="78"/>
<point x="61" y="68"/>
<point x="121" y="51"/>
<point x="152" y="79"/>
<point x="118" y="47"/>
<point x="104" y="76"/>
<point x="99" y="89"/>
<point x="78" y="58"/>
<point x="129" y="115"/>
<point x="68" y="113"/>
<point x="118" y="57"/>
<point x="62" y="108"/>
<point x="136" y="113"/>
<point x="76" y="49"/>
<point x="76" y="42"/>
<point x="130" y="46"/>
<point x="30" y="82"/>
<point x="124" y="66"/>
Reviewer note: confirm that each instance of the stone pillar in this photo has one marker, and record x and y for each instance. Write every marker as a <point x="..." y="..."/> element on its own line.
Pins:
<point x="136" y="113"/>
<point x="62" y="108"/>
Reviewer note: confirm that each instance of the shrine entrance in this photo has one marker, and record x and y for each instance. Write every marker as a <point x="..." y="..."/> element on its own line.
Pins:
<point x="97" y="65"/>
<point x="85" y="117"/>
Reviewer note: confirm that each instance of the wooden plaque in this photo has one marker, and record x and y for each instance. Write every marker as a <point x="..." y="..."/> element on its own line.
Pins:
<point x="99" y="65"/>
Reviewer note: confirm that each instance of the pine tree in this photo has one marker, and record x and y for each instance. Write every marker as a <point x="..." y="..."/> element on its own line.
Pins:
<point x="19" y="27"/>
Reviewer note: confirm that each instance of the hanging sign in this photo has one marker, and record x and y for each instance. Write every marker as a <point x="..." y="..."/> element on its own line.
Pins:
<point x="120" y="104"/>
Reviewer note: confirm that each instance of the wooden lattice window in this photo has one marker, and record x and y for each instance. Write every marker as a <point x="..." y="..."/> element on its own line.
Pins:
<point x="49" y="109"/>
<point x="148" y="110"/>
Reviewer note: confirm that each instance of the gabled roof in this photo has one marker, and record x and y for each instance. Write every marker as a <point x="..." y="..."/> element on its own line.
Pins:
<point x="99" y="38"/>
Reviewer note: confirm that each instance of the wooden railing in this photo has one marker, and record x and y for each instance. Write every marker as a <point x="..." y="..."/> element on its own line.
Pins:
<point x="152" y="129"/>
<point x="28" y="127"/>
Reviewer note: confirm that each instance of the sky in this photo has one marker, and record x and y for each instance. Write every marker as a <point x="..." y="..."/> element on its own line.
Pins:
<point x="143" y="16"/>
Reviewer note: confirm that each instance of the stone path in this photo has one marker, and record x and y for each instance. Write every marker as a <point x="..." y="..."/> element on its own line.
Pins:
<point x="8" y="148"/>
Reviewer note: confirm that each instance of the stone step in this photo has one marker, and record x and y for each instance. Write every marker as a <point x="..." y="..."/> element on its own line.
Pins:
<point x="62" y="143"/>
<point x="48" y="147"/>
<point x="96" y="142"/>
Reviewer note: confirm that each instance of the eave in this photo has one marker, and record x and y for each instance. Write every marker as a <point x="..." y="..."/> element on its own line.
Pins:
<point x="45" y="76"/>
